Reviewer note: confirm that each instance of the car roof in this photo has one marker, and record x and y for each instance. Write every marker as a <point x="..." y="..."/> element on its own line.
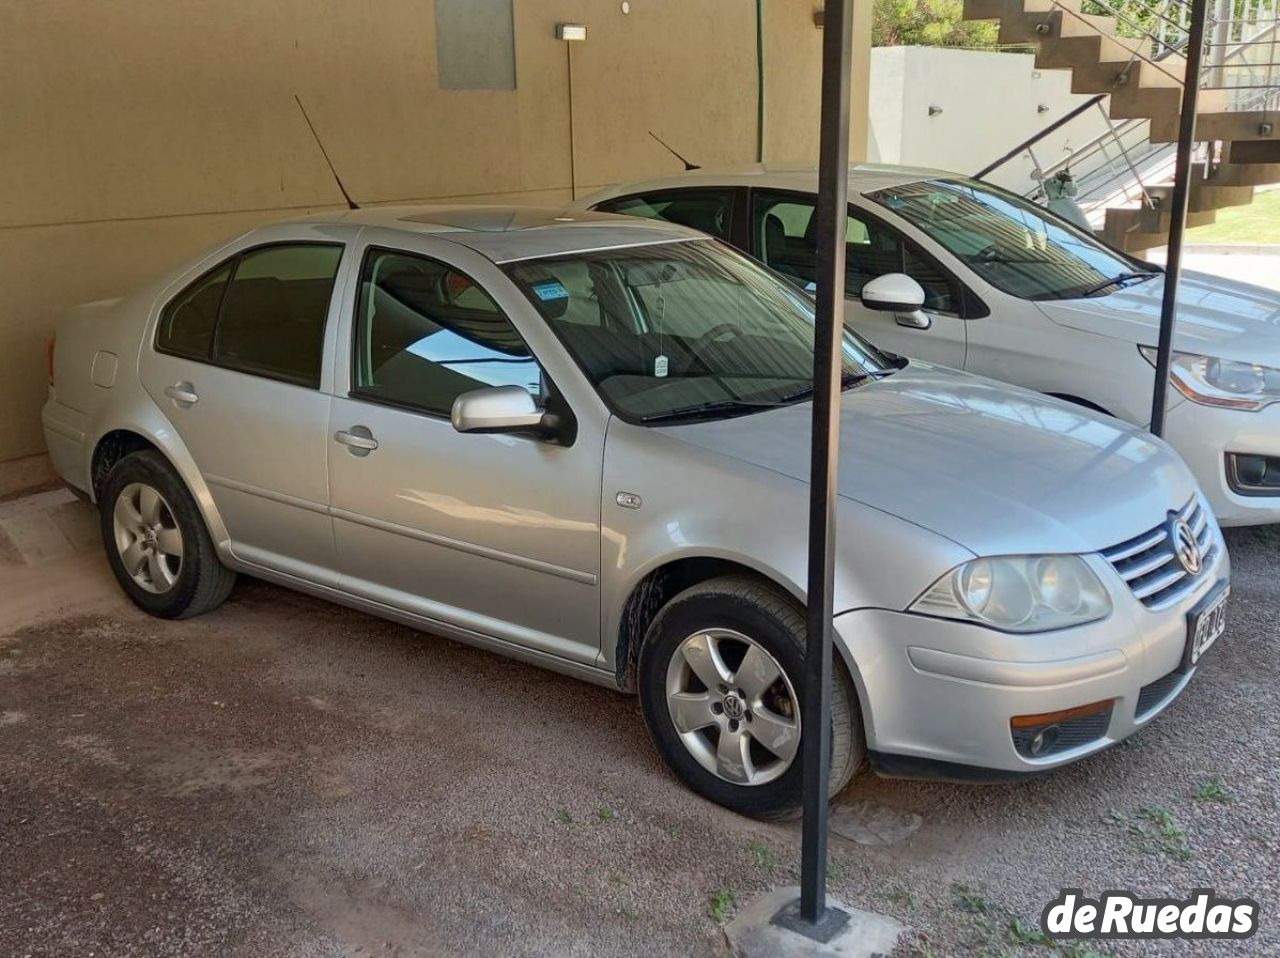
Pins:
<point x="863" y="178"/>
<point x="508" y="233"/>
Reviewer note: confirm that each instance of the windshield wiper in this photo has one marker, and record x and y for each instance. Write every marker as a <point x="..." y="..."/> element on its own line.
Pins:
<point x="1120" y="279"/>
<point x="846" y="380"/>
<point x="708" y="408"/>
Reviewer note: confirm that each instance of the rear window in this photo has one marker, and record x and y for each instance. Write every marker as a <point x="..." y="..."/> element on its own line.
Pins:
<point x="705" y="210"/>
<point x="186" y="325"/>
<point x="263" y="312"/>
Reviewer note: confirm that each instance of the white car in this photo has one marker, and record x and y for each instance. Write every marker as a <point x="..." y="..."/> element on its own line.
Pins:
<point x="1015" y="293"/>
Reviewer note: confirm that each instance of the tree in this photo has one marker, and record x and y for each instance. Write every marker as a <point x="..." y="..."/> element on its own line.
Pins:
<point x="933" y="23"/>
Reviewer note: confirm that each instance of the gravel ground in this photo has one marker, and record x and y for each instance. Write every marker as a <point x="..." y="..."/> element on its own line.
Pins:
<point x="287" y="778"/>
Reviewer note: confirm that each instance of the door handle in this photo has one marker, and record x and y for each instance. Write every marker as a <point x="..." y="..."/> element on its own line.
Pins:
<point x="358" y="440"/>
<point x="184" y="394"/>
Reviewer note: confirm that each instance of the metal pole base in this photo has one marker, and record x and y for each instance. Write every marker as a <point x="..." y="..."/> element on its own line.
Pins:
<point x="829" y="924"/>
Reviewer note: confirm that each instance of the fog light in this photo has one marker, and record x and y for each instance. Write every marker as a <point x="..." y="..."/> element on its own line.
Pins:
<point x="1253" y="475"/>
<point x="1043" y="741"/>
<point x="1052" y="733"/>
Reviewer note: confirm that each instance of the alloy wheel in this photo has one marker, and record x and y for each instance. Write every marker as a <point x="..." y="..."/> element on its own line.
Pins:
<point x="147" y="537"/>
<point x="733" y="706"/>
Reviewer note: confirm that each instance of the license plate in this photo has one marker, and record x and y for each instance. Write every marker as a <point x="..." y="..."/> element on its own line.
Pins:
<point x="1205" y="624"/>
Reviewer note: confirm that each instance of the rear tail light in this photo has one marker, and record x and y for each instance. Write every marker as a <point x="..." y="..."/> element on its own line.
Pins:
<point x="49" y="350"/>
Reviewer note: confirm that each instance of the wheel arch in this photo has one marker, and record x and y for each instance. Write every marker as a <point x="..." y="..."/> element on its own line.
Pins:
<point x="660" y="584"/>
<point x="114" y="444"/>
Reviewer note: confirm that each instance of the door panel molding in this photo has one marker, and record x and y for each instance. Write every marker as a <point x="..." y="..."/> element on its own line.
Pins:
<point x="471" y="548"/>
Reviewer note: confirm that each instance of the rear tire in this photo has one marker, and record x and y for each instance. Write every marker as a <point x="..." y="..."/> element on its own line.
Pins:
<point x="707" y="657"/>
<point x="156" y="540"/>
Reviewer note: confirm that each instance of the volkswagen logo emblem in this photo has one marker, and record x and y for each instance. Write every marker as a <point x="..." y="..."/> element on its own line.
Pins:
<point x="1185" y="547"/>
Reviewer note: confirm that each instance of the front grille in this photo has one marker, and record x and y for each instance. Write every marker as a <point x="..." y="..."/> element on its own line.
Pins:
<point x="1062" y="736"/>
<point x="1150" y="566"/>
<point x="1150" y="697"/>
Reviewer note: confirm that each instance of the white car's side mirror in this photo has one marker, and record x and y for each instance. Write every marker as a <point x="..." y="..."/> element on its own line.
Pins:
<point x="893" y="293"/>
<point x="897" y="293"/>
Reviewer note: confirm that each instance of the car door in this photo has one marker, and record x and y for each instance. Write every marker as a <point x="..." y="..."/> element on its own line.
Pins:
<point x="498" y="535"/>
<point x="783" y="229"/>
<point x="237" y="364"/>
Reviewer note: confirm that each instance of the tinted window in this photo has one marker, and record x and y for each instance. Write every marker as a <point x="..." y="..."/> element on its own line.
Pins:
<point x="785" y="230"/>
<point x="704" y="210"/>
<point x="426" y="333"/>
<point x="274" y="311"/>
<point x="1014" y="245"/>
<point x="186" y="325"/>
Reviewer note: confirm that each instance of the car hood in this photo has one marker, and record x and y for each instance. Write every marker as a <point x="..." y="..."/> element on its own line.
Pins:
<point x="1216" y="317"/>
<point x="997" y="469"/>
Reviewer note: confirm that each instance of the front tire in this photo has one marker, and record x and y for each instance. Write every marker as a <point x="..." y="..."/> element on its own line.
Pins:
<point x="156" y="541"/>
<point x="720" y="678"/>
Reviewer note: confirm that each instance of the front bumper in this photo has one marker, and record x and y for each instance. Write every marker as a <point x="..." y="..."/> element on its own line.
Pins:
<point x="1204" y="436"/>
<point x="943" y="693"/>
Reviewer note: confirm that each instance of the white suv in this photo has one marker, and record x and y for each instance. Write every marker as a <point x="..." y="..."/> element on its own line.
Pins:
<point x="1015" y="293"/>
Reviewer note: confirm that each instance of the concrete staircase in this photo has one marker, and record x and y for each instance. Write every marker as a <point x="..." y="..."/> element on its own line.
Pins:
<point x="1141" y="87"/>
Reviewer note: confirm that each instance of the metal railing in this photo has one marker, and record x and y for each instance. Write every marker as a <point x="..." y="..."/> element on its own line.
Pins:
<point x="1241" y="58"/>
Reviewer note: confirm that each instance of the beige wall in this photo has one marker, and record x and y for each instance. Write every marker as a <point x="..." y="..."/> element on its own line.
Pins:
<point x="134" y="133"/>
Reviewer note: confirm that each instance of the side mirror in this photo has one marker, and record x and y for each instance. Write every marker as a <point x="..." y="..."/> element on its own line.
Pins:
<point x="500" y="409"/>
<point x="893" y="293"/>
<point x="897" y="293"/>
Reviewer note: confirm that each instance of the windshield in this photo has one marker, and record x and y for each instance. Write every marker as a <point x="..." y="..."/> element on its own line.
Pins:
<point x="1013" y="244"/>
<point x="684" y="330"/>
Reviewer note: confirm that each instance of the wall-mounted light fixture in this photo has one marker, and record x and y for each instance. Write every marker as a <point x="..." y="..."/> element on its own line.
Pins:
<point x="934" y="110"/>
<point x="1042" y="108"/>
<point x="819" y="19"/>
<point x="571" y="33"/>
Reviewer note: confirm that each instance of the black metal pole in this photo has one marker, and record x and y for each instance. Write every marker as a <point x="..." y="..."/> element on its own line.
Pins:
<point x="1178" y="211"/>
<point x="833" y="189"/>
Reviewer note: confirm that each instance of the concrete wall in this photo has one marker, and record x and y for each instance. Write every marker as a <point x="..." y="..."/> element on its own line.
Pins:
<point x="133" y="134"/>
<point x="990" y="103"/>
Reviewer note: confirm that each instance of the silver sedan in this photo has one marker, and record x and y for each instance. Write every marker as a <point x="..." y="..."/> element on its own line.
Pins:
<point x="581" y="440"/>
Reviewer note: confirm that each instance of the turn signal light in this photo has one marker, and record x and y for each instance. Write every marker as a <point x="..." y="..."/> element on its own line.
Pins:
<point x="1055" y="718"/>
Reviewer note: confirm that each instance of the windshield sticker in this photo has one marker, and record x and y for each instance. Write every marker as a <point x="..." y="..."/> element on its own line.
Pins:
<point x="549" y="290"/>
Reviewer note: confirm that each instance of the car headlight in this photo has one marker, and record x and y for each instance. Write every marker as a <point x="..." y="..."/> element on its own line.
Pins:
<point x="1019" y="593"/>
<point x="1221" y="382"/>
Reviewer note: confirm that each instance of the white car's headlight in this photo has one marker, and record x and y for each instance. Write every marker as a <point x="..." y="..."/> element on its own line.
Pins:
<point x="1221" y="382"/>
<point x="1019" y="593"/>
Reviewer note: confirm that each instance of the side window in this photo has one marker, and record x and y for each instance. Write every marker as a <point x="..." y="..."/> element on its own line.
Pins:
<point x="785" y="232"/>
<point x="705" y="210"/>
<point x="426" y="333"/>
<point x="273" y="314"/>
<point x="186" y="325"/>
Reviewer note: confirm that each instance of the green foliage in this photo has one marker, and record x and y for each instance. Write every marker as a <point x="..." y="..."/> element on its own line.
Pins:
<point x="930" y="23"/>
<point x="968" y="898"/>
<point x="1215" y="791"/>
<point x="762" y="856"/>
<point x="722" y="903"/>
<point x="1160" y="830"/>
